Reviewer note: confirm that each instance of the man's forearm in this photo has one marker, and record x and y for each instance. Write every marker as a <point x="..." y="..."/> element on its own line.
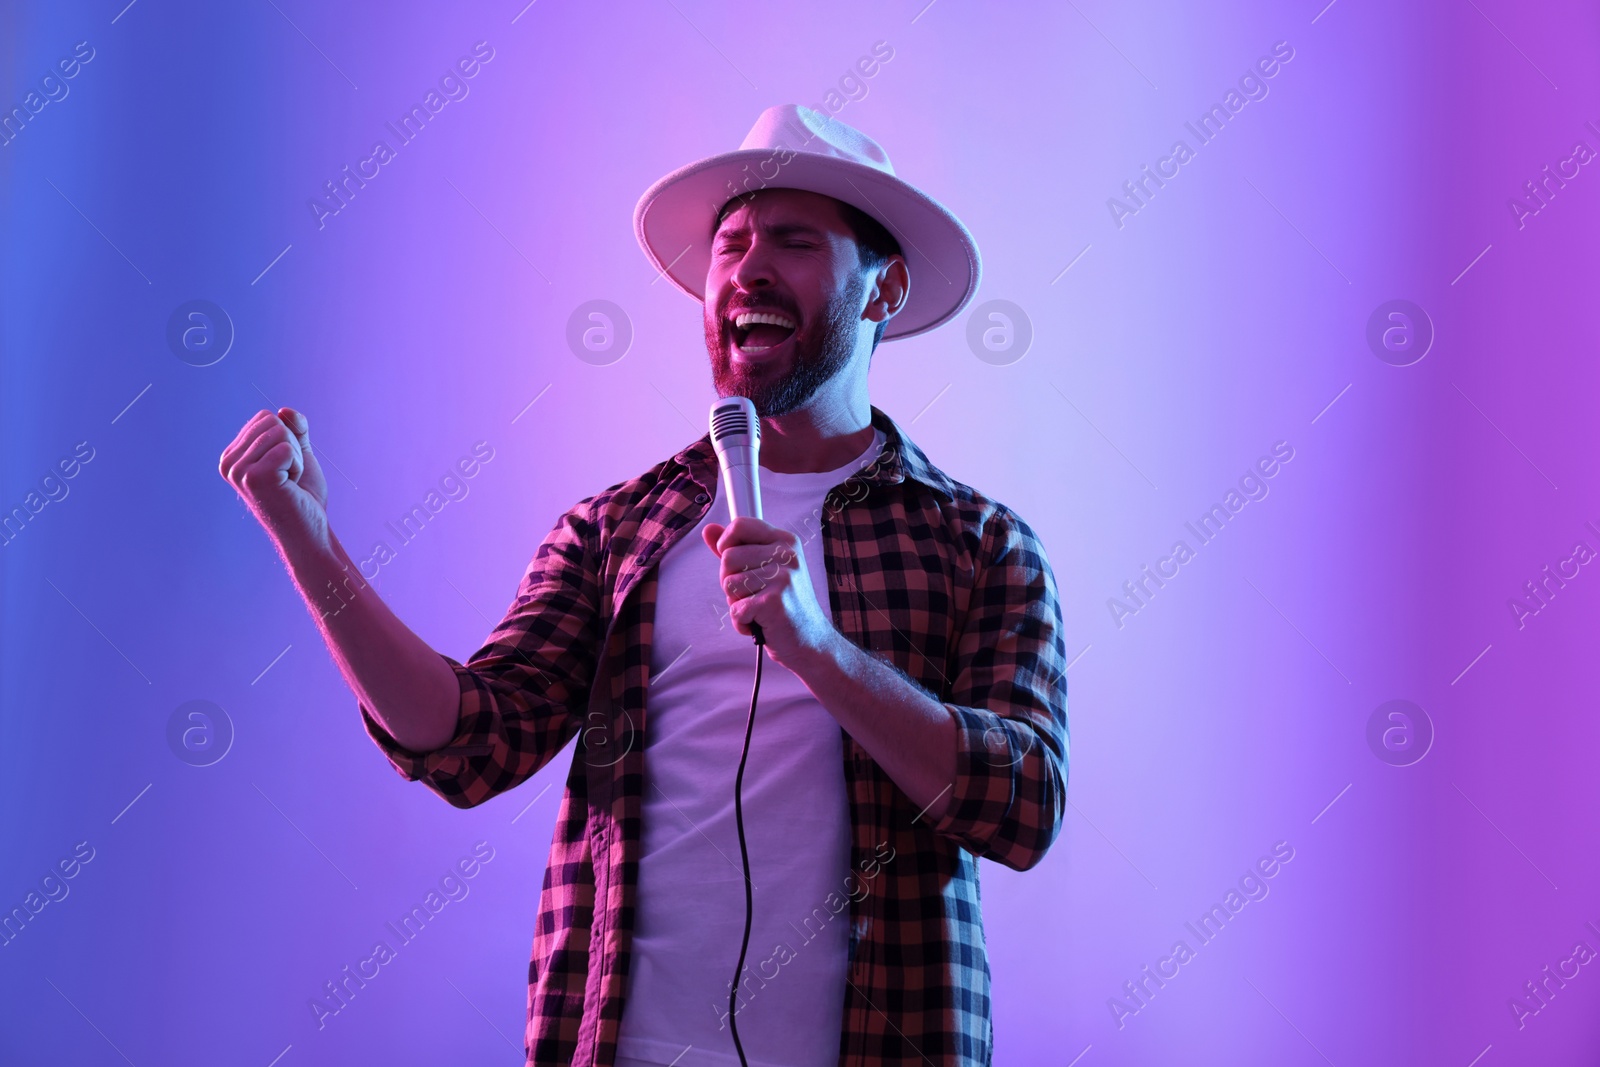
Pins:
<point x="409" y="689"/>
<point x="909" y="732"/>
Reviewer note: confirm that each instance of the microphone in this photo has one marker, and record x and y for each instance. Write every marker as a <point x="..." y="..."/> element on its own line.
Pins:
<point x="736" y="435"/>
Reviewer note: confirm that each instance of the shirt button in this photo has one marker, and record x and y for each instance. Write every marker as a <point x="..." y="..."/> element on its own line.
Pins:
<point x="700" y="498"/>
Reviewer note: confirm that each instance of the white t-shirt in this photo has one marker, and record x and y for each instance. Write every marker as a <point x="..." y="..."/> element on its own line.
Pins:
<point x="690" y="913"/>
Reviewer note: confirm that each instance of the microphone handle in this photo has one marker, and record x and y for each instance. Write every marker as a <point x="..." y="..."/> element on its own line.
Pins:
<point x="743" y="483"/>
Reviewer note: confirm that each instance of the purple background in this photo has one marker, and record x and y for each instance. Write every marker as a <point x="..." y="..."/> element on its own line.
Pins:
<point x="1229" y="714"/>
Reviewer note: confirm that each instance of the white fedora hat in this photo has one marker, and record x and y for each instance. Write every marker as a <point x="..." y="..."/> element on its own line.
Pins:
<point x="794" y="147"/>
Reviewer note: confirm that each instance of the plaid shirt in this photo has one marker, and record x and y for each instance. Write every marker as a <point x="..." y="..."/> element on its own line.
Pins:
<point x="951" y="587"/>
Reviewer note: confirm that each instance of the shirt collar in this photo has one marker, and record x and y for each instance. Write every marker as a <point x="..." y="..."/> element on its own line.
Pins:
<point x="901" y="459"/>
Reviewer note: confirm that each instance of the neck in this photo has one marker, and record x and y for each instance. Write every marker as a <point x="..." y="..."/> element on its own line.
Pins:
<point x="818" y="437"/>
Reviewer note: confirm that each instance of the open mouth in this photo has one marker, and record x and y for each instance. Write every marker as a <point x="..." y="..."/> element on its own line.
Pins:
<point x="757" y="333"/>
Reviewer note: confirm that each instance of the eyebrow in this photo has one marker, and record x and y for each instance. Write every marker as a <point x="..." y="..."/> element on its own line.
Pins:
<point x="776" y="229"/>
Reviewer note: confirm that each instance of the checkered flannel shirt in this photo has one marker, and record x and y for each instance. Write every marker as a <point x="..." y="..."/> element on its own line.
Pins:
<point x="951" y="587"/>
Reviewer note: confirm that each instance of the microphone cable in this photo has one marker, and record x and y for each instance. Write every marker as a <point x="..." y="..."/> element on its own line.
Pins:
<point x="744" y="852"/>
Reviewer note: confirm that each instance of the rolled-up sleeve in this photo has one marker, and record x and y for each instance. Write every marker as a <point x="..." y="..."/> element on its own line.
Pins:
<point x="524" y="692"/>
<point x="1009" y="700"/>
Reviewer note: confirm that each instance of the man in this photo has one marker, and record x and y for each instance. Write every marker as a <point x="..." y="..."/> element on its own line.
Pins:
<point x="912" y="718"/>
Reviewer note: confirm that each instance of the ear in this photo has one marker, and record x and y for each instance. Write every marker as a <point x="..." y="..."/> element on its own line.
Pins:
<point x="888" y="290"/>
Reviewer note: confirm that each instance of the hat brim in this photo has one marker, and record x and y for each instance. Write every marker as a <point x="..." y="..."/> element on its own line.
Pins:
<point x="674" y="218"/>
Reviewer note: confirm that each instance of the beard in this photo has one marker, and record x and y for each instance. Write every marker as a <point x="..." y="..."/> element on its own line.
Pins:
<point x="819" y="354"/>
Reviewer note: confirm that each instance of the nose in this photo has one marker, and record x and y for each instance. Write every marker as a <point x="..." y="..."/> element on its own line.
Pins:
<point x="755" y="268"/>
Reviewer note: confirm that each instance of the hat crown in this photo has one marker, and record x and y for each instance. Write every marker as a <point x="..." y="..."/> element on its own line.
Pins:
<point x="795" y="128"/>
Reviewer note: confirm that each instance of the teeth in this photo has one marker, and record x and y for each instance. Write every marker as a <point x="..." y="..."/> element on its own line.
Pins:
<point x="750" y="318"/>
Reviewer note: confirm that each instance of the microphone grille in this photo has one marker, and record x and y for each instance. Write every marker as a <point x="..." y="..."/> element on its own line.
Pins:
<point x="734" y="417"/>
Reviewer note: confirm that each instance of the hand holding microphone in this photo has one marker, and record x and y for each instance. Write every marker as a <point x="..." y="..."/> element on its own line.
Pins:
<point x="763" y="570"/>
